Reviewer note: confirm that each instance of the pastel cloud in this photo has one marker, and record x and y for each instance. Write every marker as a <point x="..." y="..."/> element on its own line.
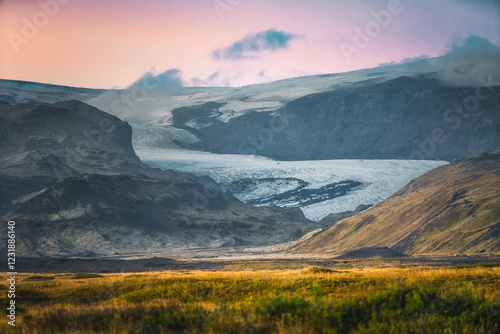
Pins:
<point x="252" y="44"/>
<point x="170" y="79"/>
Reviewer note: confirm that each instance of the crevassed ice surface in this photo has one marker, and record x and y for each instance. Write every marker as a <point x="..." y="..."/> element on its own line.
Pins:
<point x="317" y="187"/>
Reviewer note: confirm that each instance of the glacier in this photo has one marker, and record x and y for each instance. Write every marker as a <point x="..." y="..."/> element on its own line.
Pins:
<point x="318" y="187"/>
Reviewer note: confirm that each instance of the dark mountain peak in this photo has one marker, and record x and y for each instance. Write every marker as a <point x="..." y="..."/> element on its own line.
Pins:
<point x="50" y="142"/>
<point x="82" y="137"/>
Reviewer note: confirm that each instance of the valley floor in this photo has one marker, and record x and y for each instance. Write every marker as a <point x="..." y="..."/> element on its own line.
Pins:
<point x="203" y="260"/>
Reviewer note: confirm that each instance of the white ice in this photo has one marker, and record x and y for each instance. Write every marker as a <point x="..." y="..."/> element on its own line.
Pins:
<point x="380" y="178"/>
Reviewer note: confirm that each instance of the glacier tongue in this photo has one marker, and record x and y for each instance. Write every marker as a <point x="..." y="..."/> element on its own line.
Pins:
<point x="317" y="187"/>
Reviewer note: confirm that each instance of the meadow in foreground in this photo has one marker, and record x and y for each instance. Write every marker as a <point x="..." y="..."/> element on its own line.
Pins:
<point x="463" y="299"/>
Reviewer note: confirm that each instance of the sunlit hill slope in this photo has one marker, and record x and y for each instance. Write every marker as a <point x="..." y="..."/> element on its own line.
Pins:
<point x="450" y="209"/>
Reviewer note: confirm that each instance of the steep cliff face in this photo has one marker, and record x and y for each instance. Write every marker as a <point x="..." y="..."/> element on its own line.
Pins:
<point x="72" y="137"/>
<point x="450" y="209"/>
<point x="43" y="143"/>
<point x="403" y="118"/>
<point x="71" y="180"/>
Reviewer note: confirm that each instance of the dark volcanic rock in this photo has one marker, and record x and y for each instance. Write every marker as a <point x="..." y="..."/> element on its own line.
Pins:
<point x="404" y="118"/>
<point x="44" y="143"/>
<point x="64" y="139"/>
<point x="106" y="215"/>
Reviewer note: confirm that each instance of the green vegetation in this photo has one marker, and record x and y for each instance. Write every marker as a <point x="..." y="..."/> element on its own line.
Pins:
<point x="39" y="278"/>
<point x="316" y="300"/>
<point x="319" y="270"/>
<point x="85" y="275"/>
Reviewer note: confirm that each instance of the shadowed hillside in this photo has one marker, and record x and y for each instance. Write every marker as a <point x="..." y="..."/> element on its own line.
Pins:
<point x="105" y="215"/>
<point x="43" y="143"/>
<point x="403" y="118"/>
<point x="71" y="179"/>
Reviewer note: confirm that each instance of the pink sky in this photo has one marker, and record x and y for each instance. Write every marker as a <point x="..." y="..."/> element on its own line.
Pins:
<point x="104" y="44"/>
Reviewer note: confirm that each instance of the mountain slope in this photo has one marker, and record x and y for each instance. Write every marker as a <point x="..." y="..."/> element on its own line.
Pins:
<point x="419" y="110"/>
<point x="77" y="136"/>
<point x="71" y="179"/>
<point x="43" y="143"/>
<point x="403" y="118"/>
<point x="15" y="91"/>
<point x="450" y="209"/>
<point x="106" y="215"/>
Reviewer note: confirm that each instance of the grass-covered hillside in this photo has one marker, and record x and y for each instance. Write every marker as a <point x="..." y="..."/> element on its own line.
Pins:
<point x="451" y="209"/>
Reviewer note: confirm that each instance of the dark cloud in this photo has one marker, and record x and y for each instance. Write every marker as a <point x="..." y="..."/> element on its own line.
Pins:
<point x="168" y="80"/>
<point x="269" y="40"/>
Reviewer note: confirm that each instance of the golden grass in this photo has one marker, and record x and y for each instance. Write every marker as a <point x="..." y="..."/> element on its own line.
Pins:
<point x="259" y="301"/>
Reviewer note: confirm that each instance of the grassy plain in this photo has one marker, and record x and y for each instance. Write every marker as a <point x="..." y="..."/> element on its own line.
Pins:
<point x="460" y="299"/>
